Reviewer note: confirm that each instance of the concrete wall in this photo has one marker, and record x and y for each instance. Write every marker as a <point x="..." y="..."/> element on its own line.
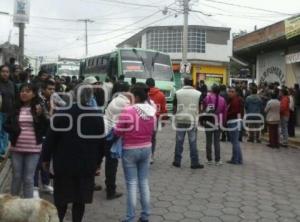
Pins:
<point x="218" y="47"/>
<point x="260" y="36"/>
<point x="217" y="37"/>
<point x="214" y="52"/>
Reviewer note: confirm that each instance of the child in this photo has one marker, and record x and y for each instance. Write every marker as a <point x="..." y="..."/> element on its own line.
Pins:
<point x="26" y="127"/>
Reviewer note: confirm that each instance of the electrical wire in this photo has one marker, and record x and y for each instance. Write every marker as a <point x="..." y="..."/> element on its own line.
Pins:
<point x="134" y="23"/>
<point x="125" y="3"/>
<point x="117" y="36"/>
<point x="248" y="15"/>
<point x="111" y="38"/>
<point x="249" y="7"/>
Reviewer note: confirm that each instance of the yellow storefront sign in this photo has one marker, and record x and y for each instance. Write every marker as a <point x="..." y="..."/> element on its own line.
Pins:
<point x="292" y="27"/>
<point x="210" y="74"/>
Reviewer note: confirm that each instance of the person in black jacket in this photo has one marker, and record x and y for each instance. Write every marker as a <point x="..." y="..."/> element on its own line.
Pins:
<point x="7" y="104"/>
<point x="202" y="87"/>
<point x="75" y="151"/>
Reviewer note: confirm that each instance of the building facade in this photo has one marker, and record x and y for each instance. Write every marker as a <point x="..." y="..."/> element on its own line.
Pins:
<point x="8" y="51"/>
<point x="209" y="49"/>
<point x="274" y="51"/>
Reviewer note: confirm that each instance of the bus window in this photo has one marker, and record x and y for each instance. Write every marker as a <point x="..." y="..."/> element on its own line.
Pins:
<point x="113" y="67"/>
<point x="99" y="61"/>
<point x="104" y="60"/>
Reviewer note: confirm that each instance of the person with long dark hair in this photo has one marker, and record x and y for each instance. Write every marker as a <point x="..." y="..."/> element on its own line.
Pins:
<point x="26" y="127"/>
<point x="217" y="105"/>
<point x="74" y="144"/>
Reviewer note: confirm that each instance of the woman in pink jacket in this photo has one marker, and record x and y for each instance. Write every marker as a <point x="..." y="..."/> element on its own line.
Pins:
<point x="217" y="104"/>
<point x="135" y="126"/>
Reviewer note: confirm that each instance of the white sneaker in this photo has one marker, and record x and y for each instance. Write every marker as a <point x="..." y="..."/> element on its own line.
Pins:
<point x="36" y="193"/>
<point x="209" y="162"/>
<point x="219" y="163"/>
<point x="48" y="189"/>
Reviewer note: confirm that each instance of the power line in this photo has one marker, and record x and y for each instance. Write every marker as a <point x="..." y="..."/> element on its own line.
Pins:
<point x="243" y="17"/>
<point x="249" y="7"/>
<point x="113" y="37"/>
<point x="156" y="21"/>
<point x="249" y="15"/>
<point x="134" y="23"/>
<point x="126" y="3"/>
<point x="199" y="18"/>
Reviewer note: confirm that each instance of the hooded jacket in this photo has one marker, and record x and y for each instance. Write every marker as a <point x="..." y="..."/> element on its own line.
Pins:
<point x="135" y="125"/>
<point x="159" y="99"/>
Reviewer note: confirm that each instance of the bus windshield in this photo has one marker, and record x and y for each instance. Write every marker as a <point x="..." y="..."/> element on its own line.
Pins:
<point x="145" y="64"/>
<point x="68" y="69"/>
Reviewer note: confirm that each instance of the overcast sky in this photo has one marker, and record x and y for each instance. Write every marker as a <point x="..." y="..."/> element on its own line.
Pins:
<point x="114" y="22"/>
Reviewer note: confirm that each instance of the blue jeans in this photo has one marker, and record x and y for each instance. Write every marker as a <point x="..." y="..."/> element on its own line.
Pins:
<point x="136" y="171"/>
<point x="237" y="156"/>
<point x="182" y="129"/>
<point x="23" y="168"/>
<point x="284" y="129"/>
<point x="3" y="135"/>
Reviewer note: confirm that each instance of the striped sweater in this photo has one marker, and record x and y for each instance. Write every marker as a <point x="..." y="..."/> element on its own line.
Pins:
<point x="26" y="142"/>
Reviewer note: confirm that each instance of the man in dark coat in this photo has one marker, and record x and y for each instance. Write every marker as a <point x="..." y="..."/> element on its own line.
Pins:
<point x="75" y="153"/>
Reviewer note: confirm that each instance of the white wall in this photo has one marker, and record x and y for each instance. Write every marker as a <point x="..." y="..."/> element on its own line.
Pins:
<point x="270" y="67"/>
<point x="214" y="52"/>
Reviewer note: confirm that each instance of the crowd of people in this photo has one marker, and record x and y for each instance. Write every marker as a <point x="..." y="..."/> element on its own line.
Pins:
<point x="63" y="128"/>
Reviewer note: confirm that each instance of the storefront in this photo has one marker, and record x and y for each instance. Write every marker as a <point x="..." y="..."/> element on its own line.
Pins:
<point x="210" y="74"/>
<point x="271" y="68"/>
<point x="293" y="67"/>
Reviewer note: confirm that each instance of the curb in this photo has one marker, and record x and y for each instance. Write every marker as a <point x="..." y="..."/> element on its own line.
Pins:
<point x="293" y="143"/>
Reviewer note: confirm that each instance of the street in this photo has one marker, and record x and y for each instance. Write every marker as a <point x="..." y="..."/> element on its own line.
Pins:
<point x="266" y="188"/>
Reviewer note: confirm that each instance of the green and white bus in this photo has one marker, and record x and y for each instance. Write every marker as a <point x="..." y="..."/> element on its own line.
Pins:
<point x="61" y="68"/>
<point x="133" y="62"/>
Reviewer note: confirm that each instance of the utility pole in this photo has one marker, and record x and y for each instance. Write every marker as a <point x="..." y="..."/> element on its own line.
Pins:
<point x="21" y="43"/>
<point x="86" y="21"/>
<point x="185" y="31"/>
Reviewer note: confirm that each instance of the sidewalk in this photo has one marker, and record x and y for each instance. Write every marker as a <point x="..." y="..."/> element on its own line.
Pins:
<point x="294" y="142"/>
<point x="5" y="172"/>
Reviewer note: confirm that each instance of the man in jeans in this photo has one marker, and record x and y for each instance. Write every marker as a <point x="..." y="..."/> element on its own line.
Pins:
<point x="159" y="99"/>
<point x="234" y="125"/>
<point x="186" y="108"/>
<point x="254" y="106"/>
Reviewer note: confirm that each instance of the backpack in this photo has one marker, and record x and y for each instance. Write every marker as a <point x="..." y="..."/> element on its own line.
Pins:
<point x="211" y="109"/>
